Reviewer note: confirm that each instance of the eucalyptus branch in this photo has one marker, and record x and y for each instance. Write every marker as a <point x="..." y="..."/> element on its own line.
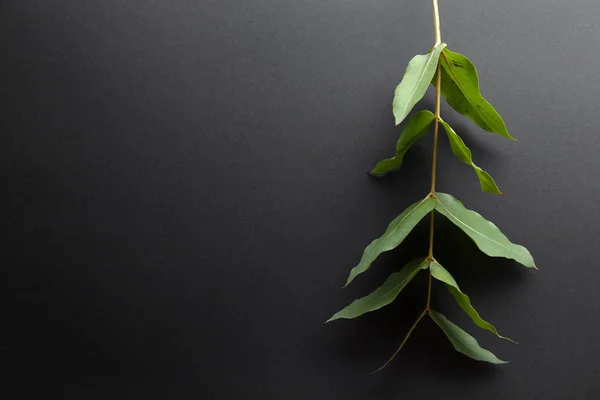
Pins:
<point x="455" y="78"/>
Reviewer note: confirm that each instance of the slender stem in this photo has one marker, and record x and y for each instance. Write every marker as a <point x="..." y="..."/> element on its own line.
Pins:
<point x="431" y="230"/>
<point x="436" y="23"/>
<point x="436" y="128"/>
<point x="438" y="84"/>
<point x="427" y="307"/>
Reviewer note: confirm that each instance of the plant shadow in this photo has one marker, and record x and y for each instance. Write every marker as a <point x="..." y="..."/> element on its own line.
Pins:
<point x="406" y="182"/>
<point x="471" y="267"/>
<point x="367" y="342"/>
<point x="475" y="139"/>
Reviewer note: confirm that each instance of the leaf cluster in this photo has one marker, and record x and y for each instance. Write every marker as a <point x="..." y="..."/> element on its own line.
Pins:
<point x="456" y="79"/>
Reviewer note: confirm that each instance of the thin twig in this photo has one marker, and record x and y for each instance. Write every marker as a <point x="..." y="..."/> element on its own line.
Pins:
<point x="436" y="128"/>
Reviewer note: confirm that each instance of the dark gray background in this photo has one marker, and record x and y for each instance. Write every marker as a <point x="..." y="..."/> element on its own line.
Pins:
<point x="184" y="191"/>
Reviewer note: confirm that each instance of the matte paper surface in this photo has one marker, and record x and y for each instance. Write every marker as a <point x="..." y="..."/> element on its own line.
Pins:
<point x="185" y="190"/>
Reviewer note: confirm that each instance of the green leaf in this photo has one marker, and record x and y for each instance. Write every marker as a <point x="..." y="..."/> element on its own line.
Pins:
<point x="412" y="328"/>
<point x="460" y="88"/>
<point x="413" y="86"/>
<point x="464" y="154"/>
<point x="441" y="274"/>
<point x="462" y="341"/>
<point x="395" y="233"/>
<point x="484" y="233"/>
<point x="416" y="128"/>
<point x="384" y="294"/>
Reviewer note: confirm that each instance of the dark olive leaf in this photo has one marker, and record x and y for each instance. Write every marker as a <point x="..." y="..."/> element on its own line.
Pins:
<point x="395" y="233"/>
<point x="462" y="341"/>
<point x="416" y="128"/>
<point x="384" y="294"/>
<point x="460" y="149"/>
<point x="441" y="274"/>
<point x="413" y="86"/>
<point x="460" y="88"/>
<point x="484" y="233"/>
<point x="412" y="328"/>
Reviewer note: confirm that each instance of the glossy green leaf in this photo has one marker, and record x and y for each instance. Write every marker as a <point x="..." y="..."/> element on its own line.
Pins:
<point x="416" y="127"/>
<point x="484" y="233"/>
<point x="462" y="341"/>
<point x="395" y="233"/>
<point x="413" y="86"/>
<point x="384" y="294"/>
<point x="460" y="149"/>
<point x="460" y="88"/>
<point x="412" y="328"/>
<point x="441" y="274"/>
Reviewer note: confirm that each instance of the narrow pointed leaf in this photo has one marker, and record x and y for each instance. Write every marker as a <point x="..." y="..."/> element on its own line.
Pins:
<point x="416" y="128"/>
<point x="384" y="294"/>
<point x="395" y="233"/>
<point x="484" y="233"/>
<point x="460" y="149"/>
<point x="412" y="328"/>
<point x="413" y="86"/>
<point x="462" y="341"/>
<point x="441" y="274"/>
<point x="460" y="88"/>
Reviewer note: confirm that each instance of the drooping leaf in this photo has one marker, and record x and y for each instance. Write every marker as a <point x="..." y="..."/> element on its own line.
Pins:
<point x="460" y="149"/>
<point x="416" y="128"/>
<point x="460" y="88"/>
<point x="395" y="233"/>
<point x="412" y="328"/>
<point x="462" y="341"/>
<point x="441" y="274"/>
<point x="484" y="233"/>
<point x="384" y="294"/>
<point x="414" y="84"/>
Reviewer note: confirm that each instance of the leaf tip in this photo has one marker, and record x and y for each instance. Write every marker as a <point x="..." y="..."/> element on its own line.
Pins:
<point x="508" y="339"/>
<point x="495" y="191"/>
<point x="374" y="174"/>
<point x="350" y="278"/>
<point x="333" y="318"/>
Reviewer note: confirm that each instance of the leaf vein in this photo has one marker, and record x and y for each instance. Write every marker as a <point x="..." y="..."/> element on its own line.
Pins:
<point x="476" y="231"/>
